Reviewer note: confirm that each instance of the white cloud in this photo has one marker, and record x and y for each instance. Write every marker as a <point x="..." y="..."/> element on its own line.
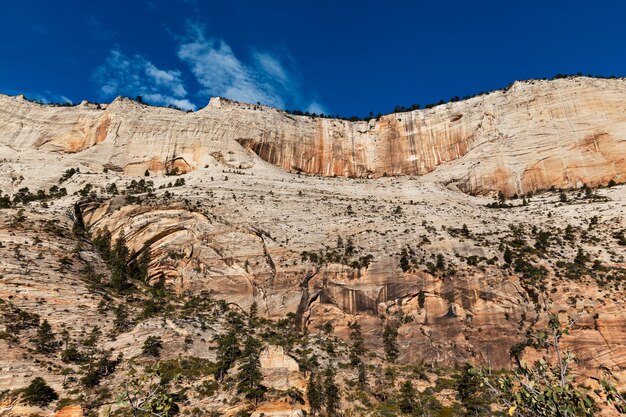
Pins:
<point x="219" y="72"/>
<point x="317" y="108"/>
<point x="263" y="78"/>
<point x="271" y="66"/>
<point x="136" y="76"/>
<point x="47" y="97"/>
<point x="166" y="79"/>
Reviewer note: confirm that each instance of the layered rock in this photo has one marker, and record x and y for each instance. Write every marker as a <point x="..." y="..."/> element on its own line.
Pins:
<point x="244" y="244"/>
<point x="316" y="253"/>
<point x="533" y="135"/>
<point x="280" y="371"/>
<point x="278" y="409"/>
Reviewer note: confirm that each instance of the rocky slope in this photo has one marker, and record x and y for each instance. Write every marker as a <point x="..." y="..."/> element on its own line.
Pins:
<point x="242" y="222"/>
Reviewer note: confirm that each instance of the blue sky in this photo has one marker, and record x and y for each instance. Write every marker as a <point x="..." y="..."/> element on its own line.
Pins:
<point x="337" y="57"/>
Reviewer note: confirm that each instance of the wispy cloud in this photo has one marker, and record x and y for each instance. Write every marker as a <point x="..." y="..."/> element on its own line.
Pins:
<point x="263" y="78"/>
<point x="136" y="76"/>
<point x="45" y="97"/>
<point x="317" y="108"/>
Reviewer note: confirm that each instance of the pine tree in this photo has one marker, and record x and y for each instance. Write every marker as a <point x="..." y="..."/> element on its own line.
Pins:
<point x="118" y="263"/>
<point x="581" y="257"/>
<point x="253" y="317"/>
<point x="404" y="260"/>
<point x="315" y="394"/>
<point x="441" y="264"/>
<point x="44" y="340"/>
<point x="357" y="350"/>
<point x="249" y="375"/>
<point x="91" y="342"/>
<point x="349" y="248"/>
<point x="362" y="375"/>
<point x="65" y="337"/>
<point x="228" y="352"/>
<point x="102" y="242"/>
<point x="407" y="397"/>
<point x="390" y="336"/>
<point x="122" y="322"/>
<point x="331" y="391"/>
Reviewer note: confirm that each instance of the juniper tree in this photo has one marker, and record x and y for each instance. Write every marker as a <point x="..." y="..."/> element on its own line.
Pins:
<point x="39" y="393"/>
<point x="152" y="346"/>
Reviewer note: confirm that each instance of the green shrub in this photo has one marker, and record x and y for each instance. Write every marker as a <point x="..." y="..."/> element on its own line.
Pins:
<point x="152" y="346"/>
<point x="39" y="393"/>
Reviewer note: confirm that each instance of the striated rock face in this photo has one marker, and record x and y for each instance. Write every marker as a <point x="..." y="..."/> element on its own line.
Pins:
<point x="243" y="241"/>
<point x="278" y="409"/>
<point x="533" y="135"/>
<point x="280" y="371"/>
<point x="417" y="251"/>
<point x="201" y="251"/>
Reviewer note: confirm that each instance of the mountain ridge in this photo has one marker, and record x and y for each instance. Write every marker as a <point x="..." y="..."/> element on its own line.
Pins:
<point x="532" y="136"/>
<point x="158" y="226"/>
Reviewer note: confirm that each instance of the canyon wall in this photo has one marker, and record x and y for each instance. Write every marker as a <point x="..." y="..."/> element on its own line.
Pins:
<point x="531" y="136"/>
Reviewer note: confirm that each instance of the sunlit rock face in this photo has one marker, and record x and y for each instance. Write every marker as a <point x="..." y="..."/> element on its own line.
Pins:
<point x="239" y="225"/>
<point x="280" y="371"/>
<point x="532" y="135"/>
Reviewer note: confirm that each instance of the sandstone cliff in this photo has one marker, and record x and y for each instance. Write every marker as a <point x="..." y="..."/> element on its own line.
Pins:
<point x="533" y="135"/>
<point x="239" y="226"/>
